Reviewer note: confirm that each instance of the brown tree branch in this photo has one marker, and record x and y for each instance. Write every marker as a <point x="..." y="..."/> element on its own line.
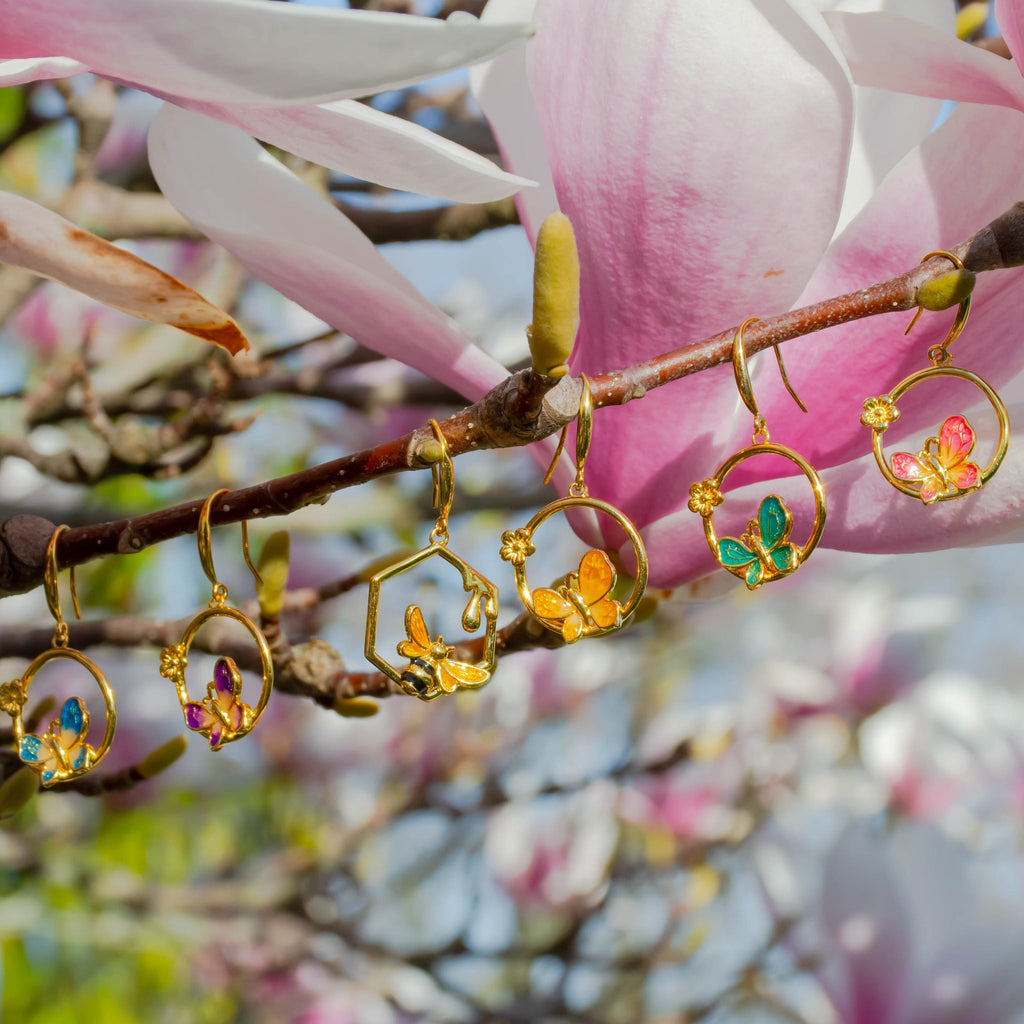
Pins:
<point x="490" y="423"/>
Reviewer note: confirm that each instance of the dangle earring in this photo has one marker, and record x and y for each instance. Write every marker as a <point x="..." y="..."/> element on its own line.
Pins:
<point x="62" y="752"/>
<point x="579" y="607"/>
<point x="764" y="552"/>
<point x="940" y="471"/>
<point x="221" y="716"/>
<point x="431" y="670"/>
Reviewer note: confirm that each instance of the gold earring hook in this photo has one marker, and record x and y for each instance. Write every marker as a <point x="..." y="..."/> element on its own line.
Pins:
<point x="50" y="586"/>
<point x="220" y="591"/>
<point x="443" y="474"/>
<point x="584" y="430"/>
<point x="742" y="375"/>
<point x="939" y="354"/>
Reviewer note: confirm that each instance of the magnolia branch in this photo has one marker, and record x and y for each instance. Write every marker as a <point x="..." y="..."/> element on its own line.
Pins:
<point x="525" y="407"/>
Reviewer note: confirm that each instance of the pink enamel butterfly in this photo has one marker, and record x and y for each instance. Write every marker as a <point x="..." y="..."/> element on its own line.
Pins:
<point x="221" y="717"/>
<point x="941" y="467"/>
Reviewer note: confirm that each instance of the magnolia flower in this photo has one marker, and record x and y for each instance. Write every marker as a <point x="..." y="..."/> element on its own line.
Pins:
<point x="703" y="152"/>
<point x="905" y="938"/>
<point x="283" y="72"/>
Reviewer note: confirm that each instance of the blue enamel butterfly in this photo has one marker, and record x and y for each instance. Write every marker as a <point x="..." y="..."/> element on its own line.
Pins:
<point x="763" y="552"/>
<point x="61" y="752"/>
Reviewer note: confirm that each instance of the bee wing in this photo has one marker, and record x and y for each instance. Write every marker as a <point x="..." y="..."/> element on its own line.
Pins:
<point x="956" y="441"/>
<point x="549" y="604"/>
<point x="596" y="576"/>
<point x="453" y="674"/>
<point x="415" y="627"/>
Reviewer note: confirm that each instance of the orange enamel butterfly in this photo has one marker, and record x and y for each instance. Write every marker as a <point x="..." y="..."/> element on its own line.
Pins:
<point x="941" y="467"/>
<point x="581" y="604"/>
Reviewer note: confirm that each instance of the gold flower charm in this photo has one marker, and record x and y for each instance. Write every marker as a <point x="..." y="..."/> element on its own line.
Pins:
<point x="172" y="662"/>
<point x="516" y="546"/>
<point x="13" y="697"/>
<point x="879" y="412"/>
<point x="704" y="496"/>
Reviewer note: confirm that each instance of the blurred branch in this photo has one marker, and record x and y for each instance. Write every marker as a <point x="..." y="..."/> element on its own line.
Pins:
<point x="455" y="222"/>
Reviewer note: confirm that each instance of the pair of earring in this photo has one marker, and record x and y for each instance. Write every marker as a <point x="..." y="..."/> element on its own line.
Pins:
<point x="221" y="716"/>
<point x="580" y="606"/>
<point x="940" y="471"/>
<point x="63" y="751"/>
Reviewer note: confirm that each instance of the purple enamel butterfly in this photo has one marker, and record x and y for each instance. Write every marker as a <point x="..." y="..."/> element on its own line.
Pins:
<point x="220" y="716"/>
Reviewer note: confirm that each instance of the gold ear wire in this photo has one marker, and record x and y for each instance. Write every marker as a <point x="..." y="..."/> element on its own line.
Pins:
<point x="52" y="589"/>
<point x="443" y="491"/>
<point x="742" y="375"/>
<point x="584" y="431"/>
<point x="205" y="547"/>
<point x="939" y="354"/>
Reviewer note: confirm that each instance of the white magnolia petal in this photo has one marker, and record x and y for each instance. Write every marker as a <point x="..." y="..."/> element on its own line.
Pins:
<point x="372" y="145"/>
<point x="41" y="241"/>
<point x="503" y="92"/>
<point x="249" y="51"/>
<point x="296" y="241"/>
<point x="892" y="52"/>
<point x="888" y="124"/>
<point x="15" y="72"/>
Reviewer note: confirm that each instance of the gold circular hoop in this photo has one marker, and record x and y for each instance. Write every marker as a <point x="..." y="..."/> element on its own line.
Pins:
<point x="46" y="754"/>
<point x="887" y="413"/>
<point x="707" y="496"/>
<point x="518" y="545"/>
<point x="174" y="659"/>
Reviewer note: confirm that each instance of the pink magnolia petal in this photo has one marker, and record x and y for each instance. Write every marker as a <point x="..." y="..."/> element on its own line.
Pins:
<point x="936" y="197"/>
<point x="249" y="51"/>
<point x="370" y="144"/>
<point x="296" y="241"/>
<point x="904" y="55"/>
<point x="503" y="92"/>
<point x="681" y="235"/>
<point x="865" y="918"/>
<point x="41" y="241"/>
<point x="976" y="980"/>
<point x="16" y="72"/>
<point x="1010" y="17"/>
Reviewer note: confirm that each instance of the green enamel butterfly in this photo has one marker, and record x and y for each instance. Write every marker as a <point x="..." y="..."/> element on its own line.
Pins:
<point x="764" y="552"/>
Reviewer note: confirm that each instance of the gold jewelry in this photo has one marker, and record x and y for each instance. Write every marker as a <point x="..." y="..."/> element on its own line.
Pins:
<point x="580" y="606"/>
<point x="940" y="471"/>
<point x="764" y="552"/>
<point x="62" y="752"/>
<point x="221" y="716"/>
<point x="432" y="670"/>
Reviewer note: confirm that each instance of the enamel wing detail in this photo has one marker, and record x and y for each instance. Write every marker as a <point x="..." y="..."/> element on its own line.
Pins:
<point x="763" y="552"/>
